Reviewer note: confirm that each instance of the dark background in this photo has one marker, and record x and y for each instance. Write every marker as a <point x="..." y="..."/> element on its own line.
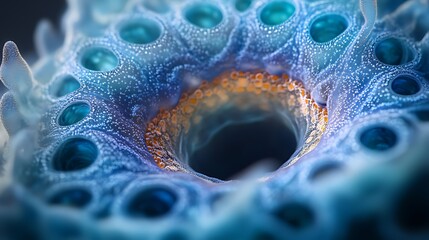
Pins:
<point x="18" y="20"/>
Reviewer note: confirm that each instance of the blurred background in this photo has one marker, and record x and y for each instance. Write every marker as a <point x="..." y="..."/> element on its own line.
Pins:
<point x="18" y="20"/>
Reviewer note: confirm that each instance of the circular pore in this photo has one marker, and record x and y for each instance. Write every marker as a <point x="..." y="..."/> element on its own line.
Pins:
<point x="141" y="32"/>
<point x="405" y="86"/>
<point x="74" y="197"/>
<point x="296" y="215"/>
<point x="239" y="146"/>
<point x="242" y="5"/>
<point x="328" y="27"/>
<point x="74" y="114"/>
<point x="276" y="13"/>
<point x="99" y="59"/>
<point x="152" y="202"/>
<point x="64" y="86"/>
<point x="378" y="138"/>
<point x="204" y="15"/>
<point x="75" y="154"/>
<point x="393" y="51"/>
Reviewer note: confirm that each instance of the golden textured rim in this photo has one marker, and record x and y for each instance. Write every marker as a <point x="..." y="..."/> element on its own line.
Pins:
<point x="165" y="130"/>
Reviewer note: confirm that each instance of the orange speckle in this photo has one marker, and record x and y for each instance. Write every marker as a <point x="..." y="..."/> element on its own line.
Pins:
<point x="199" y="94"/>
<point x="273" y="88"/>
<point x="225" y="82"/>
<point x="174" y="119"/>
<point x="188" y="109"/>
<point x="161" y="164"/>
<point x="208" y="93"/>
<point x="285" y="77"/>
<point x="315" y="105"/>
<point x="259" y="76"/>
<point x="258" y="83"/>
<point x="266" y="86"/>
<point x="193" y="101"/>
<point x="162" y="124"/>
<point x="184" y="97"/>
<point x="274" y="78"/>
<point x="281" y="88"/>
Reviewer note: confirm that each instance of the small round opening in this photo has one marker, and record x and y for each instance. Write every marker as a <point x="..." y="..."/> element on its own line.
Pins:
<point x="325" y="170"/>
<point x="204" y="15"/>
<point x="405" y="86"/>
<point x="75" y="154"/>
<point x="141" y="32"/>
<point x="276" y="13"/>
<point x="99" y="59"/>
<point x="152" y="202"/>
<point x="74" y="114"/>
<point x="378" y="138"/>
<point x="296" y="215"/>
<point x="64" y="86"/>
<point x="242" y="5"/>
<point x="74" y="197"/>
<point x="327" y="27"/>
<point x="236" y="147"/>
<point x="393" y="51"/>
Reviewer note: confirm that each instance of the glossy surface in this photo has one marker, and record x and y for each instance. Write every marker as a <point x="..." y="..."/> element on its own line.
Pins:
<point x="148" y="119"/>
<point x="328" y="27"/>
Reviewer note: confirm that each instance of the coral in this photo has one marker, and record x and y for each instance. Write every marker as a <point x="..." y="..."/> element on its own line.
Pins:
<point x="191" y="119"/>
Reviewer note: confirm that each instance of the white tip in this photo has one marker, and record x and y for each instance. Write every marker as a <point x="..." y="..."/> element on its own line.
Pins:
<point x="18" y="78"/>
<point x="14" y="71"/>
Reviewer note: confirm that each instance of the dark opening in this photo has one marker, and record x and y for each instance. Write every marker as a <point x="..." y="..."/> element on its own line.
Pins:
<point x="378" y="138"/>
<point x="405" y="86"/>
<point x="296" y="215"/>
<point x="75" y="197"/>
<point x="325" y="170"/>
<point x="75" y="154"/>
<point x="152" y="203"/>
<point x="236" y="147"/>
<point x="393" y="51"/>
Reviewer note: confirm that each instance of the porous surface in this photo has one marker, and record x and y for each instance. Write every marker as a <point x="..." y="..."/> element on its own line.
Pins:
<point x="74" y="124"/>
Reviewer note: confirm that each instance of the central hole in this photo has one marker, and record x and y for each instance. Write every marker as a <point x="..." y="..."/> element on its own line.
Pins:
<point x="235" y="126"/>
<point x="237" y="146"/>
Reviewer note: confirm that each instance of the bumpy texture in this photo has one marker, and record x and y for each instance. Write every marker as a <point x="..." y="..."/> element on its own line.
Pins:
<point x="86" y="131"/>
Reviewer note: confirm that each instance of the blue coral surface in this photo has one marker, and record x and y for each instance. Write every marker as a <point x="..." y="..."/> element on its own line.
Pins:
<point x="72" y="136"/>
